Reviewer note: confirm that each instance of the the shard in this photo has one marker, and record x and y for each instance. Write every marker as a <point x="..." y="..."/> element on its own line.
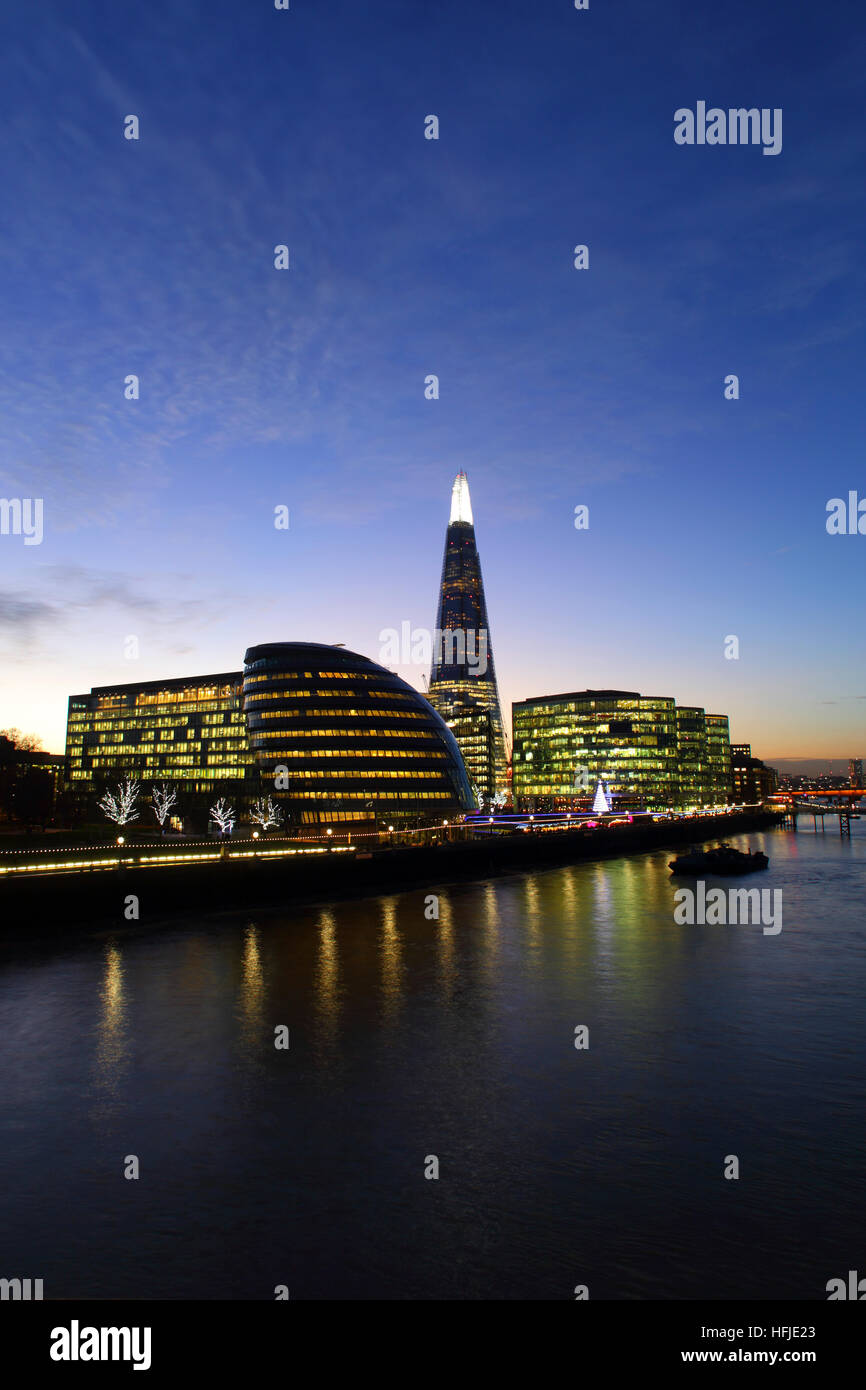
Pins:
<point x="463" y="677"/>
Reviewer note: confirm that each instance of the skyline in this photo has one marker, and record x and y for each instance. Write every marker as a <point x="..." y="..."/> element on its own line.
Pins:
<point x="409" y="257"/>
<point x="416" y="677"/>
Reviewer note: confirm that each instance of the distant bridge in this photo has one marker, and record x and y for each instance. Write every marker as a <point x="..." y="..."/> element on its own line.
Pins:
<point x="795" y="804"/>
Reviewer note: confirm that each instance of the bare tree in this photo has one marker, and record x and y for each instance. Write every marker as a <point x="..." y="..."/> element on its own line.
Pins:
<point x="266" y="813"/>
<point x="224" y="815"/>
<point x="163" y="800"/>
<point x="121" y="808"/>
<point x="27" y="743"/>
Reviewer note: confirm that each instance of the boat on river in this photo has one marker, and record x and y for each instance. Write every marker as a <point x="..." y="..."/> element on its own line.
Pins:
<point x="722" y="859"/>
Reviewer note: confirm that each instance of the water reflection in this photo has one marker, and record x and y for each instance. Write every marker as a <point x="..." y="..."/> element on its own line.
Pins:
<point x="490" y="930"/>
<point x="325" y="978"/>
<point x="532" y="921"/>
<point x="391" y="959"/>
<point x="251" y="999"/>
<point x="445" y="953"/>
<point x="111" y="1060"/>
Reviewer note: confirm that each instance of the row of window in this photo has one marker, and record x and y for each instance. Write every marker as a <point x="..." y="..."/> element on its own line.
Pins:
<point x="132" y="759"/>
<point x="275" y="693"/>
<point x="349" y="732"/>
<point x="271" y="673"/>
<point x="364" y="774"/>
<point x="138" y="737"/>
<point x="157" y="770"/>
<point x="340" y="753"/>
<point x="364" y="796"/>
<point x="123" y="709"/>
<point x="162" y="697"/>
<point x="332" y="713"/>
<point x="127" y="720"/>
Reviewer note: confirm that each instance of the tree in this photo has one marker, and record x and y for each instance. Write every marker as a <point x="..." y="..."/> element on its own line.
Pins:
<point x="163" y="800"/>
<point x="121" y="808"/>
<point x="224" y="816"/>
<point x="27" y="743"/>
<point x="266" y="813"/>
<point x="601" y="805"/>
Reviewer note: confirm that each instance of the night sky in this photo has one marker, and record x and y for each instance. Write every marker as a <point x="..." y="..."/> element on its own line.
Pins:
<point x="408" y="257"/>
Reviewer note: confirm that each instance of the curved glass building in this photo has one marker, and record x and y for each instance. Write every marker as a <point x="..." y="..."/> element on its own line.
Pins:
<point x="343" y="740"/>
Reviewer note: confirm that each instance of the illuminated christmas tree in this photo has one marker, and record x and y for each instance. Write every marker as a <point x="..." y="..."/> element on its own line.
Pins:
<point x="601" y="805"/>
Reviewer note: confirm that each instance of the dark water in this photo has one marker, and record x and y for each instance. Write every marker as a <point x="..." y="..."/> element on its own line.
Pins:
<point x="412" y="1037"/>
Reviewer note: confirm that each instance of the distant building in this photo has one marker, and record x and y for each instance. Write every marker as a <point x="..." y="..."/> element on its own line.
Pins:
<point x="753" y="781"/>
<point x="30" y="781"/>
<point x="463" y="677"/>
<point x="650" y="754"/>
<point x="855" y="773"/>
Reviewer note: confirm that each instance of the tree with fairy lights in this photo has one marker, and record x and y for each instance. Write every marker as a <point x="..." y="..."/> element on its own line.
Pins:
<point x="266" y="813"/>
<point x="224" y="816"/>
<point x="163" y="800"/>
<point x="121" y="807"/>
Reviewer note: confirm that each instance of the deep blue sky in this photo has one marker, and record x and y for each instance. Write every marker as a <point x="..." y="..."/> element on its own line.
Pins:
<point x="454" y="257"/>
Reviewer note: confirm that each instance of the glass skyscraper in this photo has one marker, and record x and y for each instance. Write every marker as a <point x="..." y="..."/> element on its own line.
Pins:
<point x="463" y="677"/>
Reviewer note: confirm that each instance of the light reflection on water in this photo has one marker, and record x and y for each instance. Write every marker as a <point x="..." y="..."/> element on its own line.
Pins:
<point x="413" y="1034"/>
<point x="112" y="1048"/>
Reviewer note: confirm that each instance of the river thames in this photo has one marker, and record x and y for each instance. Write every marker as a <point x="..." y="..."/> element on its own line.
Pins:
<point x="413" y="1038"/>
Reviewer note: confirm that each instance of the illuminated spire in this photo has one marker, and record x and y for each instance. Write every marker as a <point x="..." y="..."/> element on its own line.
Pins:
<point x="461" y="507"/>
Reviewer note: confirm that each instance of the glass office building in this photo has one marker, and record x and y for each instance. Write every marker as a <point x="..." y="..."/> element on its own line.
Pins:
<point x="345" y="741"/>
<point x="695" y="778"/>
<point x="650" y="754"/>
<point x="463" y="677"/>
<point x="719" y="757"/>
<point x="190" y="732"/>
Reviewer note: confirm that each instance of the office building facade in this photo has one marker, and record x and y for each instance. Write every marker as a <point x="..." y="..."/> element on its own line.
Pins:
<point x="649" y="753"/>
<point x="189" y="732"/>
<point x="753" y="781"/>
